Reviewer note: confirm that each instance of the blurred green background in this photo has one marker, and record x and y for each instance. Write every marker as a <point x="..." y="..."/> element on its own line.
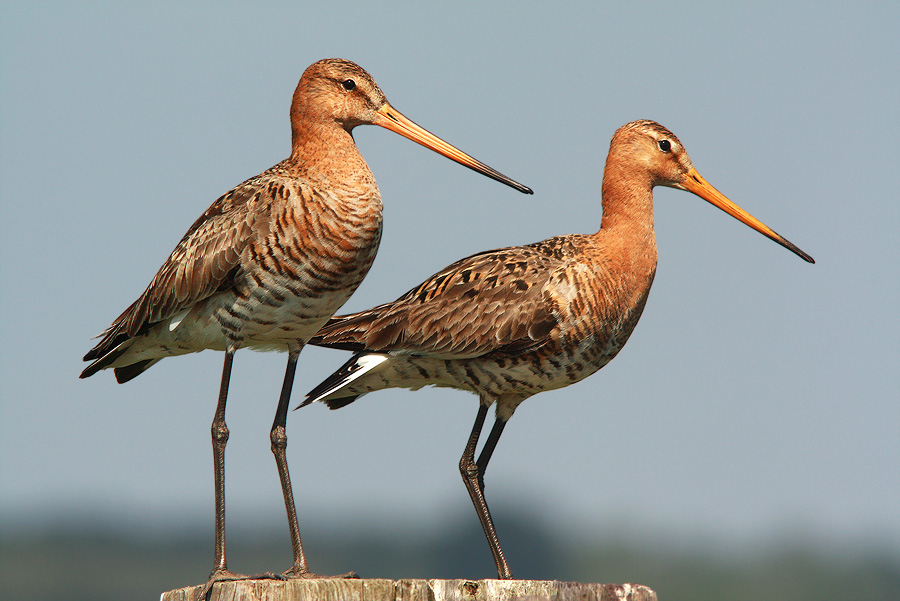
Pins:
<point x="90" y="560"/>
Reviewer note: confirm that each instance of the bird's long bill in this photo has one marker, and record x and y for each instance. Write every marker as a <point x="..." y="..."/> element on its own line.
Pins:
<point x="390" y="118"/>
<point x="699" y="186"/>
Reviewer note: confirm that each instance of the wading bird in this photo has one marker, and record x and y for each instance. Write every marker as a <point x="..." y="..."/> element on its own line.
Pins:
<point x="270" y="261"/>
<point x="507" y="324"/>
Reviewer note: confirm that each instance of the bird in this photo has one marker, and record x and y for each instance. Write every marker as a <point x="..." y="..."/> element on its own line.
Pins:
<point x="269" y="262"/>
<point x="510" y="323"/>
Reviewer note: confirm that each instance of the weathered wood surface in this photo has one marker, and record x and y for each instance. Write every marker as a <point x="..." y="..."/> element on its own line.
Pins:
<point x="336" y="589"/>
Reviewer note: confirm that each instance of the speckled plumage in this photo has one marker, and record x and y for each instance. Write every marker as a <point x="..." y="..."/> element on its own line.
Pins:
<point x="270" y="261"/>
<point x="262" y="269"/>
<point x="510" y="323"/>
<point x="504" y="324"/>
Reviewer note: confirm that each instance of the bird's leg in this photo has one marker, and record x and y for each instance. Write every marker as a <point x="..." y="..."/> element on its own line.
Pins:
<point x="219" y="433"/>
<point x="472" y="479"/>
<point x="489" y="445"/>
<point x="278" y="436"/>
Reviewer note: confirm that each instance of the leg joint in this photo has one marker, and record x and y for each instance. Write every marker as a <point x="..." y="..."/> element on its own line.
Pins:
<point x="219" y="432"/>
<point x="468" y="468"/>
<point x="278" y="436"/>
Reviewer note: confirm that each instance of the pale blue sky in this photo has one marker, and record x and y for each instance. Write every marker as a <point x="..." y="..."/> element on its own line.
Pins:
<point x="758" y="395"/>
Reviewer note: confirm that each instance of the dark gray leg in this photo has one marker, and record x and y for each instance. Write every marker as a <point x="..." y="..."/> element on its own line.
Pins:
<point x="488" y="450"/>
<point x="219" y="431"/>
<point x="473" y="481"/>
<point x="219" y="439"/>
<point x="278" y="436"/>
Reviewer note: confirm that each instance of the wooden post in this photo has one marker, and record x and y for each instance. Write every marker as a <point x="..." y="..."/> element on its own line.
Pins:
<point x="338" y="589"/>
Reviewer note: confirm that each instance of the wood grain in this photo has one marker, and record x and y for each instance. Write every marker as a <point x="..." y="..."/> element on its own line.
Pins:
<point x="336" y="589"/>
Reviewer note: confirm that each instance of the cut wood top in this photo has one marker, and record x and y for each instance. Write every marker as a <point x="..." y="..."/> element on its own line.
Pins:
<point x="379" y="589"/>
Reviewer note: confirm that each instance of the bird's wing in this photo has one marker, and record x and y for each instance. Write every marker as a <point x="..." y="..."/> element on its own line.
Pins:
<point x="205" y="261"/>
<point x="492" y="302"/>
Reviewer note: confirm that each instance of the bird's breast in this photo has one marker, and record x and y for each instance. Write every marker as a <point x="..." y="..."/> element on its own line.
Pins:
<point x="596" y="311"/>
<point x="317" y="249"/>
<point x="600" y="314"/>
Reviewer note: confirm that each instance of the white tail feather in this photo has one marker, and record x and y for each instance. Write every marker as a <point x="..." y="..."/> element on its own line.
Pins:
<point x="363" y="365"/>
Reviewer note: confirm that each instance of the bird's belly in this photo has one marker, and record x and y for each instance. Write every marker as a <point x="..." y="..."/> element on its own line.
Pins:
<point x="272" y="314"/>
<point x="279" y="312"/>
<point x="536" y="372"/>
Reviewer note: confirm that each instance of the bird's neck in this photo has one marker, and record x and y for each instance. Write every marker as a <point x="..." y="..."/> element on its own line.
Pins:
<point x="628" y="212"/>
<point x="326" y="153"/>
<point x="624" y="249"/>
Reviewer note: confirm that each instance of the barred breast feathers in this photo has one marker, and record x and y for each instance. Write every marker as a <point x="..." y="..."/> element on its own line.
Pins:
<point x="266" y="218"/>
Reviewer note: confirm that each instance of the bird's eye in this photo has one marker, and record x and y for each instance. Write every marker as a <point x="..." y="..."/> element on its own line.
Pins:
<point x="349" y="84"/>
<point x="665" y="145"/>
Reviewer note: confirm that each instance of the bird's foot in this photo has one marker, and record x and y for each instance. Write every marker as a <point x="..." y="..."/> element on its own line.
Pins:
<point x="221" y="575"/>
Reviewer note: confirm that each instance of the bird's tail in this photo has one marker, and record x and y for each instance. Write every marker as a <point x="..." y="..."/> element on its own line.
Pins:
<point x="336" y="390"/>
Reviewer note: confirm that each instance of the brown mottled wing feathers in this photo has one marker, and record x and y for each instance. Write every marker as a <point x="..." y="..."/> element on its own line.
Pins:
<point x="204" y="262"/>
<point x="492" y="302"/>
